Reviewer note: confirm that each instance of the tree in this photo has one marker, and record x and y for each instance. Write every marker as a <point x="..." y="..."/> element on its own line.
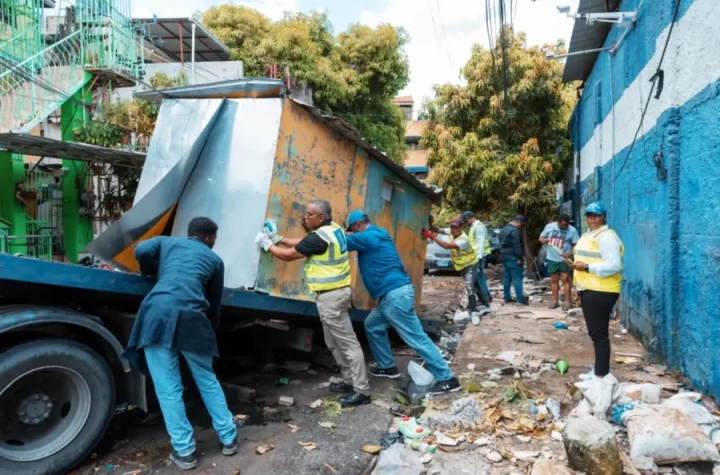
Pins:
<point x="353" y="75"/>
<point x="502" y="157"/>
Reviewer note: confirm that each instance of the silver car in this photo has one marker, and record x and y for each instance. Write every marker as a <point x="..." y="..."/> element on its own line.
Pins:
<point x="437" y="258"/>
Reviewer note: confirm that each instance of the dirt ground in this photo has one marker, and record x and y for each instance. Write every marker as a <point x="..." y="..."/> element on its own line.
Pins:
<point x="134" y="449"/>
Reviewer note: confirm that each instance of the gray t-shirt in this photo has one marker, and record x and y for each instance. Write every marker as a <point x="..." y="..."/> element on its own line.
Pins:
<point x="559" y="238"/>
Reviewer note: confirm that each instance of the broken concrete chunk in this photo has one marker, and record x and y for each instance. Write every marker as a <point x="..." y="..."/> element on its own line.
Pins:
<point x="286" y="401"/>
<point x="443" y="439"/>
<point x="297" y="366"/>
<point x="236" y="393"/>
<point x="494" y="457"/>
<point x="549" y="467"/>
<point x="483" y="441"/>
<point x="526" y="455"/>
<point x="591" y="447"/>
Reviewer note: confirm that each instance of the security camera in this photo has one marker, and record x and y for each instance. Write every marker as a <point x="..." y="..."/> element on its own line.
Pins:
<point x="563" y="8"/>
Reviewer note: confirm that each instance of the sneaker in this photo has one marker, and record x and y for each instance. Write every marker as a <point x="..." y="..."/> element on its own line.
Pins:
<point x="341" y="388"/>
<point x="510" y="301"/>
<point x="354" y="399"/>
<point x="391" y="372"/>
<point x="231" y="449"/>
<point x="475" y="318"/>
<point x="523" y="302"/>
<point x="448" y="386"/>
<point x="184" y="462"/>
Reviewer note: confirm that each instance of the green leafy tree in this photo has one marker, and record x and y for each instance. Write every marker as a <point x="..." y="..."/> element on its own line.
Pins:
<point x="502" y="156"/>
<point x="353" y="75"/>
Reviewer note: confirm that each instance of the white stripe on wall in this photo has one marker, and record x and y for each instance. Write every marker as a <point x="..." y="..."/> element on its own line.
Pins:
<point x="690" y="64"/>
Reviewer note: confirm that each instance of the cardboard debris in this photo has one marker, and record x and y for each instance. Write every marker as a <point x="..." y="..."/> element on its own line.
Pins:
<point x="315" y="404"/>
<point x="293" y="428"/>
<point x="263" y="449"/>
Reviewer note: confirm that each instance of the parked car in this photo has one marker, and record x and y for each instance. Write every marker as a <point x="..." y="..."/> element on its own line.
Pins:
<point x="494" y="256"/>
<point x="437" y="258"/>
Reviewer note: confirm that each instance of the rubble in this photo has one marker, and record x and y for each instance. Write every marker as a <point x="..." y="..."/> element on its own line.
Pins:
<point x="462" y="412"/>
<point x="398" y="460"/>
<point x="235" y="393"/>
<point x="661" y="435"/>
<point x="591" y="447"/>
<point x="550" y="467"/>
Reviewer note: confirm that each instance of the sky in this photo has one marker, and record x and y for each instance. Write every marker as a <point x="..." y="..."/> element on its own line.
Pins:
<point x="442" y="32"/>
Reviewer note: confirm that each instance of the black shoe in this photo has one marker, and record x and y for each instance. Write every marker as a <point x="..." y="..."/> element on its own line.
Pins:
<point x="448" y="386"/>
<point x="184" y="462"/>
<point x="510" y="301"/>
<point x="341" y="388"/>
<point x="354" y="399"/>
<point x="231" y="449"/>
<point x="524" y="302"/>
<point x="391" y="373"/>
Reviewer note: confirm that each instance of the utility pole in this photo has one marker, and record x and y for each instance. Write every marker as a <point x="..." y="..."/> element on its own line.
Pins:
<point x="503" y="47"/>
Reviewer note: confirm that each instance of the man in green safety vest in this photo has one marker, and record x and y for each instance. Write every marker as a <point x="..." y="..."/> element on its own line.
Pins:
<point x="462" y="253"/>
<point x="480" y="243"/>
<point x="327" y="274"/>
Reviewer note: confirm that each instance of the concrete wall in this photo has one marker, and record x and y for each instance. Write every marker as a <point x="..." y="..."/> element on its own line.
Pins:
<point x="205" y="72"/>
<point x="667" y="223"/>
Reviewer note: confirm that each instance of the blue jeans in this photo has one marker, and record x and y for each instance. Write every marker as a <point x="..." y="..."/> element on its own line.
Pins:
<point x="164" y="366"/>
<point x="513" y="273"/>
<point x="397" y="309"/>
<point x="482" y="282"/>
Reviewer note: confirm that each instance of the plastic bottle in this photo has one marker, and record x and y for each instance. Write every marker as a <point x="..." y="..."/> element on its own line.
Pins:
<point x="411" y="430"/>
<point x="422" y="447"/>
<point x="561" y="325"/>
<point x="420" y="375"/>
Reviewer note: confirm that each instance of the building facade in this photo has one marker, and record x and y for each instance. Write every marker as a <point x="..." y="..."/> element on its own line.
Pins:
<point x="646" y="143"/>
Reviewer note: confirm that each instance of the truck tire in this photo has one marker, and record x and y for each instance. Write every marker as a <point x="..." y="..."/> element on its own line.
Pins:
<point x="57" y="398"/>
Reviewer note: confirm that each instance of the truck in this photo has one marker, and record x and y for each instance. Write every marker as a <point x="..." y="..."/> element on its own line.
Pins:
<point x="261" y="154"/>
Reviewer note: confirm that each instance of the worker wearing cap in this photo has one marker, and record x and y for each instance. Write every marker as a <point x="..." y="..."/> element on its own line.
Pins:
<point x="327" y="274"/>
<point x="598" y="275"/>
<point x="480" y="243"/>
<point x="512" y="256"/>
<point x="388" y="283"/>
<point x="463" y="256"/>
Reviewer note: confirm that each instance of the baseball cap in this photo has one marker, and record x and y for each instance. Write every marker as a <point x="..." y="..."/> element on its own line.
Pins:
<point x="456" y="223"/>
<point x="519" y="218"/>
<point x="355" y="217"/>
<point x="467" y="215"/>
<point x="596" y="208"/>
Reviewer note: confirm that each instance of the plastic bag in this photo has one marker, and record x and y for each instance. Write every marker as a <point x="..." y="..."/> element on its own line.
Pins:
<point x="631" y="392"/>
<point x="398" y="460"/>
<point x="663" y="435"/>
<point x="699" y="414"/>
<point x="420" y="375"/>
<point x="601" y="393"/>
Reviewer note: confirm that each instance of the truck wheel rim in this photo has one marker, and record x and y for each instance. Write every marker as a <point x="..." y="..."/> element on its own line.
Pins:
<point x="41" y="412"/>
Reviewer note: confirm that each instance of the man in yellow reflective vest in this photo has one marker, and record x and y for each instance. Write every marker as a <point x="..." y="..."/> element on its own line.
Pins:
<point x="327" y="274"/>
<point x="463" y="256"/>
<point x="480" y="243"/>
<point x="598" y="276"/>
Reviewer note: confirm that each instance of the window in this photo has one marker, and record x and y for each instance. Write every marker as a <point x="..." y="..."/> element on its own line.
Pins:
<point x="386" y="191"/>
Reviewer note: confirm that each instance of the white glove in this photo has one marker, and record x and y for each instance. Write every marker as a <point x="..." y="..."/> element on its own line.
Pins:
<point x="267" y="243"/>
<point x="260" y="239"/>
<point x="270" y="227"/>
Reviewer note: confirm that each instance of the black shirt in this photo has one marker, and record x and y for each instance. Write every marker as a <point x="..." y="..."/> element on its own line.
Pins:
<point x="511" y="244"/>
<point x="311" y="245"/>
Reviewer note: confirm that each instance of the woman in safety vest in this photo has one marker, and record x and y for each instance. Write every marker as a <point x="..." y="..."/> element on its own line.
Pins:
<point x="598" y="273"/>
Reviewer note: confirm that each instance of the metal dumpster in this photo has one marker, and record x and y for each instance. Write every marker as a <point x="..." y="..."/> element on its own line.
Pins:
<point x="241" y="151"/>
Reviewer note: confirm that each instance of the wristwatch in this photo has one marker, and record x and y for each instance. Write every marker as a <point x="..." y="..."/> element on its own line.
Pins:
<point x="587" y="268"/>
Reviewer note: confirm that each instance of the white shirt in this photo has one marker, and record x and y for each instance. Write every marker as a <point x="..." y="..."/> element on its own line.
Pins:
<point x="462" y="242"/>
<point x="480" y="236"/>
<point x="609" y="247"/>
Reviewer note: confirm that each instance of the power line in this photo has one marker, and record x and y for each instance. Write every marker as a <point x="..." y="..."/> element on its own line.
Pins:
<point x="435" y="31"/>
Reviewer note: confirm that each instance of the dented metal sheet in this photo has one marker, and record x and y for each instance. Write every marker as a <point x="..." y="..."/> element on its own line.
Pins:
<point x="232" y="89"/>
<point x="231" y="183"/>
<point x="155" y="205"/>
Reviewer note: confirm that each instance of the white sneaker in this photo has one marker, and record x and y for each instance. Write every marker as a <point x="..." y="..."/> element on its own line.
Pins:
<point x="475" y="318"/>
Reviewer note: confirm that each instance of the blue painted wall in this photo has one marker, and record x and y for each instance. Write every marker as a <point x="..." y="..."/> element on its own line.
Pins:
<point x="668" y="225"/>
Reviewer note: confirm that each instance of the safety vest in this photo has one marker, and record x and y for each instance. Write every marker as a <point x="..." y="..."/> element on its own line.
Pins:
<point x="587" y="250"/>
<point x="330" y="270"/>
<point x="473" y="240"/>
<point x="463" y="258"/>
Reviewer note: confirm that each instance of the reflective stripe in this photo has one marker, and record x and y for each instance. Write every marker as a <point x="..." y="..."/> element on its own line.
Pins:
<point x="582" y="252"/>
<point x="327" y="280"/>
<point x="331" y="262"/>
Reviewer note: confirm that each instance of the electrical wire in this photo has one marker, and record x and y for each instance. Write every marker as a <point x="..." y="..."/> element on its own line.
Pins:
<point x="435" y="31"/>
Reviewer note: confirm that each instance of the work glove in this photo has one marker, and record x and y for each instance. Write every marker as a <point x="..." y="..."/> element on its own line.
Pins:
<point x="263" y="241"/>
<point x="270" y="227"/>
<point x="428" y="234"/>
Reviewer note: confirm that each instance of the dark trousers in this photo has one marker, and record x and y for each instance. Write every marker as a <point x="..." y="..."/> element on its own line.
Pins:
<point x="513" y="274"/>
<point x="597" y="307"/>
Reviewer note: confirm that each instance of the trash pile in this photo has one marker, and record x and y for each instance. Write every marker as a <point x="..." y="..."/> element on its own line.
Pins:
<point x="658" y="431"/>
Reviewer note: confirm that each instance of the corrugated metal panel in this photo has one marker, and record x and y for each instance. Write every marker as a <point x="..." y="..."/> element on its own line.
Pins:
<point x="311" y="162"/>
<point x="231" y="183"/>
<point x="586" y="37"/>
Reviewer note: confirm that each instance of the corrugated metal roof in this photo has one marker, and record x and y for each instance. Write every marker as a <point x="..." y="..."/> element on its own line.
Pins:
<point x="585" y="37"/>
<point x="171" y="30"/>
<point x="46" y="147"/>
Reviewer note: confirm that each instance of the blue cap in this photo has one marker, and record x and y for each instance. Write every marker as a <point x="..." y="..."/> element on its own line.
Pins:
<point x="596" y="208"/>
<point x="355" y="217"/>
<point x="467" y="215"/>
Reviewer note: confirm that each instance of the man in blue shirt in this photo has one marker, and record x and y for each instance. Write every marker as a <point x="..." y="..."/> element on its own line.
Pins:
<point x="177" y="318"/>
<point x="387" y="282"/>
<point x="560" y="238"/>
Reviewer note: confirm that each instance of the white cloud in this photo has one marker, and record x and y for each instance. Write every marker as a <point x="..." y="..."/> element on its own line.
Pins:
<point x="443" y="32"/>
<point x="273" y="9"/>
